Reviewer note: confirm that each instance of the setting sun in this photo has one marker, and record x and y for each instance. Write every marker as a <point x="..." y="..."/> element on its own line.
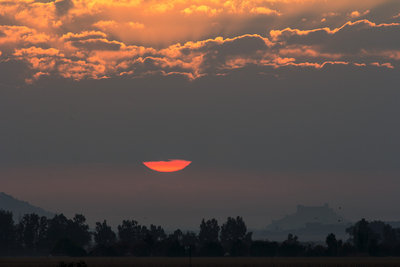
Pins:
<point x="167" y="166"/>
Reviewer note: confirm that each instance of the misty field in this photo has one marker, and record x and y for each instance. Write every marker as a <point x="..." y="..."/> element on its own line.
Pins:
<point x="200" y="262"/>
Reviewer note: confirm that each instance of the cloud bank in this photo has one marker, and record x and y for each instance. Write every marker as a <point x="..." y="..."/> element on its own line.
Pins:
<point x="96" y="39"/>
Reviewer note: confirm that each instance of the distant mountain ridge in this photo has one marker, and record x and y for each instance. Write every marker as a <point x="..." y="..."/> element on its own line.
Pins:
<point x="19" y="208"/>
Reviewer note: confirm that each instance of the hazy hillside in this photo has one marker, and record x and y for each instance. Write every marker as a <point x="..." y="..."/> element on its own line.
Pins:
<point x="308" y="223"/>
<point x="19" y="208"/>
<point x="305" y="215"/>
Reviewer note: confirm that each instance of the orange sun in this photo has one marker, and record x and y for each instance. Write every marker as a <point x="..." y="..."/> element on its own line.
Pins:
<point x="173" y="165"/>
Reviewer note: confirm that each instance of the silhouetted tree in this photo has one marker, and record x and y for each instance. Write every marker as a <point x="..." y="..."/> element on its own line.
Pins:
<point x="234" y="229"/>
<point x="189" y="239"/>
<point x="190" y="242"/>
<point x="209" y="231"/>
<point x="78" y="230"/>
<point x="31" y="231"/>
<point x="389" y="235"/>
<point x="332" y="244"/>
<point x="130" y="232"/>
<point x="133" y="238"/>
<point x="104" y="235"/>
<point x="390" y="241"/>
<point x="43" y="233"/>
<point x="65" y="236"/>
<point x="35" y="235"/>
<point x="174" y="246"/>
<point x="154" y="237"/>
<point x="7" y="231"/>
<point x="209" y="238"/>
<point x="105" y="241"/>
<point x="234" y="236"/>
<point x="362" y="236"/>
<point x="348" y="249"/>
<point x="291" y="247"/>
<point x="157" y="233"/>
<point x="57" y="229"/>
<point x="386" y="239"/>
<point x="375" y="238"/>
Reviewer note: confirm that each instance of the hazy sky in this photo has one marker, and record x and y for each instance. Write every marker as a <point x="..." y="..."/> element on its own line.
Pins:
<point x="276" y="103"/>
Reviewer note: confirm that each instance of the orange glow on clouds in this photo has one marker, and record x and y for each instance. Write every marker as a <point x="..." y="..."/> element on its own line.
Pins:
<point x="173" y="165"/>
<point x="101" y="39"/>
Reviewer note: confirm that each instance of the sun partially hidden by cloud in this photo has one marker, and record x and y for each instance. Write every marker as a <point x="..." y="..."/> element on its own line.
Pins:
<point x="172" y="165"/>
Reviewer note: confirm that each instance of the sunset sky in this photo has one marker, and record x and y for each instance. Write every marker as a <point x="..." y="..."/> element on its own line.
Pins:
<point x="274" y="102"/>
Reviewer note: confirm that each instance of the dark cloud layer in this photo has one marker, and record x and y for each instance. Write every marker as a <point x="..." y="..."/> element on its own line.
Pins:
<point x="63" y="6"/>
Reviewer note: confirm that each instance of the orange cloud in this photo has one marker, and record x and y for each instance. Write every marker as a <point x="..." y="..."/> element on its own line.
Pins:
<point x="11" y="35"/>
<point x="277" y="34"/>
<point x="91" y="55"/>
<point x="385" y="65"/>
<point x="391" y="54"/>
<point x="165" y="22"/>
<point x="111" y="25"/>
<point x="308" y="52"/>
<point x="200" y="9"/>
<point x="264" y="11"/>
<point x="97" y="39"/>
<point x="357" y="14"/>
<point x="387" y="54"/>
<point x="36" y="51"/>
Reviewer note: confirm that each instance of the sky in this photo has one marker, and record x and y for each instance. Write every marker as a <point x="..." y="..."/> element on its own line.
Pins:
<point x="275" y="102"/>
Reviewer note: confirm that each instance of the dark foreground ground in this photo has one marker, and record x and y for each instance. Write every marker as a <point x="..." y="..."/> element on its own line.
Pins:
<point x="275" y="262"/>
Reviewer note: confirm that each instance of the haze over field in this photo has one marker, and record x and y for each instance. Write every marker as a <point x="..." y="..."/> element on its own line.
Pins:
<point x="275" y="103"/>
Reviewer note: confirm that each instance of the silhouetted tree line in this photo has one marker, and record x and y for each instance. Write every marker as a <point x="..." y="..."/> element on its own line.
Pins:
<point x="34" y="235"/>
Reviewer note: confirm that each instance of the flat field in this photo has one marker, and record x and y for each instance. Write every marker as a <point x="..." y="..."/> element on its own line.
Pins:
<point x="201" y="262"/>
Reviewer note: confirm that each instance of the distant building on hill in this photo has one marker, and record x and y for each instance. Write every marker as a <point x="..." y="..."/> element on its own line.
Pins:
<point x="309" y="223"/>
<point x="307" y="215"/>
